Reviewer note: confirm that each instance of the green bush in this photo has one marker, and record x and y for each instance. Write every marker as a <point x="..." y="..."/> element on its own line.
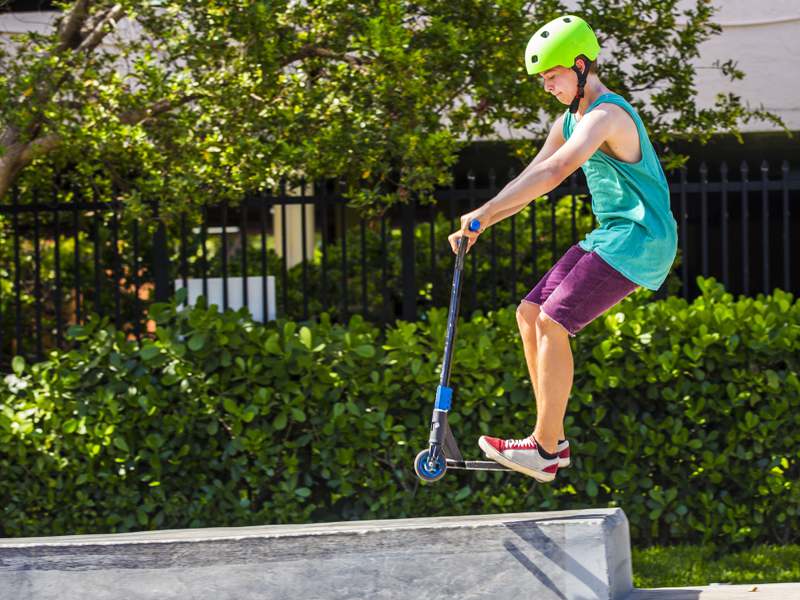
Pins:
<point x="683" y="414"/>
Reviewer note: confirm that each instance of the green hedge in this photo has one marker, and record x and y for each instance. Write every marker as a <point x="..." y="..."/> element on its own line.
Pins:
<point x="685" y="415"/>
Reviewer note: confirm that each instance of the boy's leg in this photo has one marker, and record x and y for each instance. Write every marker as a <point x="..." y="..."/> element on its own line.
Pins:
<point x="527" y="315"/>
<point x="555" y="373"/>
<point x="588" y="290"/>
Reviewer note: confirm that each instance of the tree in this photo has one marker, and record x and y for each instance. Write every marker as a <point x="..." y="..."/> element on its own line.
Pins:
<point x="211" y="98"/>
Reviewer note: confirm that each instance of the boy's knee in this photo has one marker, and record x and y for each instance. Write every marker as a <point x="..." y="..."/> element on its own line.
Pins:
<point x="527" y="314"/>
<point x="547" y="325"/>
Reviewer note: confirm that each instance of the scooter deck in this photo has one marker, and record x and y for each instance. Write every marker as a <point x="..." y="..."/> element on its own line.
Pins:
<point x="456" y="461"/>
<point x="475" y="465"/>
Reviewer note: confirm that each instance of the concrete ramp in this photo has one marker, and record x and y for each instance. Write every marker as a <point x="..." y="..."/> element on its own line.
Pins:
<point x="567" y="555"/>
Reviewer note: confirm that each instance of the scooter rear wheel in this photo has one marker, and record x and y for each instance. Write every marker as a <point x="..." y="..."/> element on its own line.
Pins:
<point x="427" y="472"/>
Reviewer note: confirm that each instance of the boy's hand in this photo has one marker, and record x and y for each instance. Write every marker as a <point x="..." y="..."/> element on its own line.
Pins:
<point x="485" y="218"/>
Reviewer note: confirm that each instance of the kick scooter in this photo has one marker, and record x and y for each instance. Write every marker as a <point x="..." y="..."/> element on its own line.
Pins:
<point x="443" y="452"/>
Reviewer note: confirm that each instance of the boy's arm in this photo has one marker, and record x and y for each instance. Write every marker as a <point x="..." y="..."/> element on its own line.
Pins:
<point x="554" y="141"/>
<point x="547" y="171"/>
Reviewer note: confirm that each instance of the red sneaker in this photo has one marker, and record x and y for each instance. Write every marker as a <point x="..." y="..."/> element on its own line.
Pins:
<point x="520" y="455"/>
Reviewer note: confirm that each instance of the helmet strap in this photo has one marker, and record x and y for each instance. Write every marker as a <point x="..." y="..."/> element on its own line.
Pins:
<point x="582" y="76"/>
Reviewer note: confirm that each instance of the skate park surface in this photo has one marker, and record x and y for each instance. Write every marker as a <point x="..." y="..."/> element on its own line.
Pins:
<point x="561" y="555"/>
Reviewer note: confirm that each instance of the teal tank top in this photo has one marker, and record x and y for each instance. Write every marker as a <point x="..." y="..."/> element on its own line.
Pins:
<point x="636" y="234"/>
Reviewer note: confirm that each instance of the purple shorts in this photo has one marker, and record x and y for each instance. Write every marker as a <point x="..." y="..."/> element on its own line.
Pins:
<point x="580" y="287"/>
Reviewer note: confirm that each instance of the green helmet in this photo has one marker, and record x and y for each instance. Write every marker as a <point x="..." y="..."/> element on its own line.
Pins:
<point x="559" y="43"/>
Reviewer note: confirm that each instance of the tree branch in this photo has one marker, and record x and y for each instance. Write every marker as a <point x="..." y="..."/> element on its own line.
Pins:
<point x="93" y="39"/>
<point x="69" y="28"/>
<point x="308" y="51"/>
<point x="9" y="136"/>
<point x="39" y="146"/>
<point x="19" y="155"/>
<point x="138" y="115"/>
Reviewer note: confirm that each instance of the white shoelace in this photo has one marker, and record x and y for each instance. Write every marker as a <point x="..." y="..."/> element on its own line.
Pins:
<point x="519" y="443"/>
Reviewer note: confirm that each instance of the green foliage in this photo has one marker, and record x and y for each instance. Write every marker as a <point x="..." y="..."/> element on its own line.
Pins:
<point x="685" y="415"/>
<point x="223" y="98"/>
<point x="684" y="565"/>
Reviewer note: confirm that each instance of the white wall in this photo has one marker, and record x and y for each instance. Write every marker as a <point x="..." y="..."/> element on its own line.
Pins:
<point x="764" y="38"/>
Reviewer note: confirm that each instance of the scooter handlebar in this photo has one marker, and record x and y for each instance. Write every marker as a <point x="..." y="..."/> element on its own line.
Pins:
<point x="474" y="225"/>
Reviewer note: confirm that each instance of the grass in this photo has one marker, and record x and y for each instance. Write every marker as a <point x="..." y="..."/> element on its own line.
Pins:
<point x="682" y="566"/>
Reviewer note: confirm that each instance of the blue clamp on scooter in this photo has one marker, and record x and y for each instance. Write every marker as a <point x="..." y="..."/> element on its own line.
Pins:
<point x="443" y="452"/>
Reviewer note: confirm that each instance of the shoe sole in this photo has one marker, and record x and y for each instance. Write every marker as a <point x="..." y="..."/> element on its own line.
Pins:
<point x="499" y="458"/>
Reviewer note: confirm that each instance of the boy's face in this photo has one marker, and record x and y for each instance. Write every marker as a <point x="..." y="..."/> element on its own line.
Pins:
<point x="561" y="82"/>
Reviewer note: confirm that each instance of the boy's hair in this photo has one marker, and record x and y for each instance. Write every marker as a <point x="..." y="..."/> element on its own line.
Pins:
<point x="593" y="67"/>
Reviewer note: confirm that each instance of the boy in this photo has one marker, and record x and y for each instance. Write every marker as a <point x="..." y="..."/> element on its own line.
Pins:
<point x="634" y="244"/>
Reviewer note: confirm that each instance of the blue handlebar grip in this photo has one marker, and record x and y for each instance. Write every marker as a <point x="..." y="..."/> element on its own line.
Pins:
<point x="474" y="225"/>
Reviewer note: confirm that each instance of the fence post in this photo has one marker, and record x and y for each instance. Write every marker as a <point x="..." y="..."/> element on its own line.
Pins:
<point x="407" y="261"/>
<point x="161" y="261"/>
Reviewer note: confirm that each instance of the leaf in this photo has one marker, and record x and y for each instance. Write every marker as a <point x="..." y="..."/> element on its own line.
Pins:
<point x="272" y="345"/>
<point x="154" y="440"/>
<point x="250" y="413"/>
<point x="197" y="341"/>
<point x="365" y="350"/>
<point x="305" y="337"/>
<point x="773" y="381"/>
<point x="462" y="494"/>
<point x="18" y="365"/>
<point x="120" y="443"/>
<point x="181" y="296"/>
<point x="149" y="352"/>
<point x="280" y="421"/>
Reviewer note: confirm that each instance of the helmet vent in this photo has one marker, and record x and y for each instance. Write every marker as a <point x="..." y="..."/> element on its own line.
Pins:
<point x="545" y="34"/>
<point x="534" y="59"/>
<point x="567" y="20"/>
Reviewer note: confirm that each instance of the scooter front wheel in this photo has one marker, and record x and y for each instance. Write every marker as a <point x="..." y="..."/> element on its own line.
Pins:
<point x="428" y="472"/>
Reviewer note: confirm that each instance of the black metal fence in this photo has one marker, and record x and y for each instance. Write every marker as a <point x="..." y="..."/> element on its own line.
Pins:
<point x="66" y="260"/>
